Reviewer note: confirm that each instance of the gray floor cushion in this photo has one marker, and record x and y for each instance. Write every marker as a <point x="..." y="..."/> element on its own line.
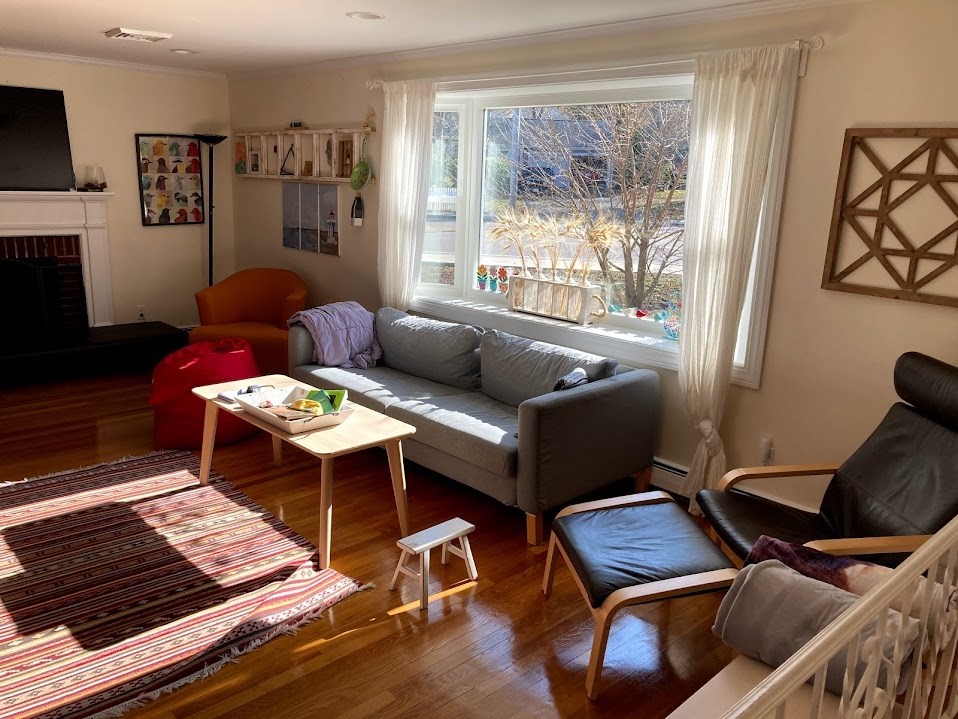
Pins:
<point x="376" y="388"/>
<point x="471" y="426"/>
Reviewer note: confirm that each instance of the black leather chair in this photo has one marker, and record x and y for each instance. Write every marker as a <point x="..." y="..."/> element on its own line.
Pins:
<point x="899" y="487"/>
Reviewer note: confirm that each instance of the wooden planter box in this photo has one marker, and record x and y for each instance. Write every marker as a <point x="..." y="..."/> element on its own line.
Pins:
<point x="560" y="300"/>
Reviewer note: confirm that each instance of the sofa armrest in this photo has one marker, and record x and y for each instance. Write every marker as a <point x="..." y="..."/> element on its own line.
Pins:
<point x="300" y="347"/>
<point x="577" y="440"/>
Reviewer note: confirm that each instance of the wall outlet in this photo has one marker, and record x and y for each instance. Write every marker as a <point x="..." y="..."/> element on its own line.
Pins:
<point x="141" y="312"/>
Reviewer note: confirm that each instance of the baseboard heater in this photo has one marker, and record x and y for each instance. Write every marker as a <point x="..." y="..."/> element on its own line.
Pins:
<point x="669" y="476"/>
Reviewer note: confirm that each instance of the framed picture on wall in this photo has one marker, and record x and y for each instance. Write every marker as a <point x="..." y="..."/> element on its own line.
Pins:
<point x="328" y="196"/>
<point x="170" y="176"/>
<point x="310" y="217"/>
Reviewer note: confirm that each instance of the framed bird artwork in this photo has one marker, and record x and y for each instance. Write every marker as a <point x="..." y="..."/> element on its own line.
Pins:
<point x="170" y="174"/>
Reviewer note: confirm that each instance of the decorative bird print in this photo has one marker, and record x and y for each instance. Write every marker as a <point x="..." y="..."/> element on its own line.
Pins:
<point x="145" y="165"/>
<point x="181" y="217"/>
<point x="194" y="166"/>
<point x="161" y="183"/>
<point x="162" y="200"/>
<point x="165" y="217"/>
<point x="175" y="147"/>
<point x="146" y="182"/>
<point x="196" y="214"/>
<point x="177" y="163"/>
<point x="177" y="183"/>
<point x="149" y="216"/>
<point x="144" y="148"/>
<point x="197" y="199"/>
<point x="192" y="150"/>
<point x="181" y="199"/>
<point x="159" y="147"/>
<point x="161" y="165"/>
<point x="147" y="198"/>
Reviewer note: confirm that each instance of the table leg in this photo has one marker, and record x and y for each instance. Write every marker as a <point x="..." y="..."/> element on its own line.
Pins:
<point x="325" y="511"/>
<point x="209" y="436"/>
<point x="277" y="451"/>
<point x="398" y="474"/>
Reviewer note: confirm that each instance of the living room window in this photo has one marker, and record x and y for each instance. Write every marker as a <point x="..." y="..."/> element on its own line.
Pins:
<point x="592" y="176"/>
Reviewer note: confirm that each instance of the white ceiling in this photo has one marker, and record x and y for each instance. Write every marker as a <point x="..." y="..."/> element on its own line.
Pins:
<point x="243" y="35"/>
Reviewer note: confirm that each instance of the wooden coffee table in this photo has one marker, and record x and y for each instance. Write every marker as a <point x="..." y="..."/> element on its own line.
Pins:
<point x="364" y="428"/>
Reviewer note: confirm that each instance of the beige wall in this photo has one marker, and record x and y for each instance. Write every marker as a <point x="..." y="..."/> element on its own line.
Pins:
<point x="827" y="375"/>
<point x="158" y="267"/>
<point x="320" y="101"/>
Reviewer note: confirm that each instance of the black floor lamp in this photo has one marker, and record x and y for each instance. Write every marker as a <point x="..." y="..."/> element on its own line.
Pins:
<point x="210" y="140"/>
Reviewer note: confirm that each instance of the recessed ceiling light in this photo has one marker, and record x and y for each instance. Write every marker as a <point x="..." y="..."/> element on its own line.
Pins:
<point x="363" y="15"/>
<point x="184" y="51"/>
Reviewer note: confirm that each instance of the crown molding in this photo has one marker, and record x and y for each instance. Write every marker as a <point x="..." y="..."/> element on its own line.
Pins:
<point x="114" y="64"/>
<point x="739" y="11"/>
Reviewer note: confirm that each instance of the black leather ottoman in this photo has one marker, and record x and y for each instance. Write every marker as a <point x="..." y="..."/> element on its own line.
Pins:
<point x="632" y="550"/>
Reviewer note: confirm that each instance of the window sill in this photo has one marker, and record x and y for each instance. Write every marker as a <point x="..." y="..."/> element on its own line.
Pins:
<point x="627" y="347"/>
<point x="630" y="348"/>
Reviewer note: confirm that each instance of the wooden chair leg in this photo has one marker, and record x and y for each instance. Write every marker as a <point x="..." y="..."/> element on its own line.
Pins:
<point x="470" y="560"/>
<point x="643" y="480"/>
<point x="444" y="559"/>
<point x="534" y="534"/>
<point x="402" y="563"/>
<point x="603" y="622"/>
<point x="550" y="574"/>
<point x="424" y="571"/>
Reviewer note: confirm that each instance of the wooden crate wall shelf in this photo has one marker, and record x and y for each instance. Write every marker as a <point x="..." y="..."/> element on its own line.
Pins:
<point x="322" y="155"/>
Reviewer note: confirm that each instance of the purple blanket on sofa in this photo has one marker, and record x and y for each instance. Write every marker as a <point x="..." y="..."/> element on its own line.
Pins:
<point x="344" y="334"/>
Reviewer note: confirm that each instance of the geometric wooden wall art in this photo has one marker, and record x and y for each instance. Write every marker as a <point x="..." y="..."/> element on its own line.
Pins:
<point x="894" y="229"/>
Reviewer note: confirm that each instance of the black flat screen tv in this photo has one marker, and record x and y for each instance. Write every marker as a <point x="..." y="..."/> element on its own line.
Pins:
<point x="34" y="141"/>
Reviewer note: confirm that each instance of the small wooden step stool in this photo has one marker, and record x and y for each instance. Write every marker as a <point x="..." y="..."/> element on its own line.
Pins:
<point x="421" y="542"/>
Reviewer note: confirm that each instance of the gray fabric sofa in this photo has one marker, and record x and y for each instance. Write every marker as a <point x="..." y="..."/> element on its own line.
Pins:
<point x="486" y="414"/>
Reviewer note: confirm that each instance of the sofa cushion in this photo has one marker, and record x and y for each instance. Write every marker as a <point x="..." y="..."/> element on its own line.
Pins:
<point x="444" y="352"/>
<point x="469" y="426"/>
<point x="376" y="388"/>
<point x="515" y="369"/>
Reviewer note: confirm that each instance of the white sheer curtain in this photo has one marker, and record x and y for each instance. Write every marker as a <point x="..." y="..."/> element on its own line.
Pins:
<point x="741" y="106"/>
<point x="403" y="187"/>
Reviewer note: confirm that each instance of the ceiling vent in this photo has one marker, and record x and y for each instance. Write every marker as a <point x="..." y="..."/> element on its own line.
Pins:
<point x="124" y="33"/>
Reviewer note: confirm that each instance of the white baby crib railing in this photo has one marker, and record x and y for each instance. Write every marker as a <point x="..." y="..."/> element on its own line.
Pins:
<point x="882" y="678"/>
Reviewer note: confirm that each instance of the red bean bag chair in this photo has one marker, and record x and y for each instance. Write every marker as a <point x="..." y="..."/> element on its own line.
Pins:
<point x="177" y="412"/>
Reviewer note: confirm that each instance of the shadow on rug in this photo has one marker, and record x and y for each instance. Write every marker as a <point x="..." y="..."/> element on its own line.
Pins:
<point x="123" y="581"/>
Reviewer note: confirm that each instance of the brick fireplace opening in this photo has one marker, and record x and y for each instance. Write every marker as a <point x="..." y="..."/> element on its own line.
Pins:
<point x="41" y="287"/>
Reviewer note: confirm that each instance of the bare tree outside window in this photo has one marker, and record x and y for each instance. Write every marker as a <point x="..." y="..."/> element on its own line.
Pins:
<point x="624" y="162"/>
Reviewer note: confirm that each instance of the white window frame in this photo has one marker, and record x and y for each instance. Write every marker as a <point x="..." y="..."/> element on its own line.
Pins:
<point x="614" y="336"/>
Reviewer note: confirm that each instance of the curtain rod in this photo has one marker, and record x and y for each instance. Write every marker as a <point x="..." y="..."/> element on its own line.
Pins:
<point x="816" y="42"/>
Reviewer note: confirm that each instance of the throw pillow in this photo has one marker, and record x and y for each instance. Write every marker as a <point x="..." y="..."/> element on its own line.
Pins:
<point x="443" y="352"/>
<point x="515" y="369"/>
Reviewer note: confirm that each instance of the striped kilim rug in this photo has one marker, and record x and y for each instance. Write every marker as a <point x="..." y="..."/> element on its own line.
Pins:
<point x="125" y="580"/>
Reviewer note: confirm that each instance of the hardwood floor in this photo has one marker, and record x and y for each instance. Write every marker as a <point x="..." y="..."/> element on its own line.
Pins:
<point x="491" y="648"/>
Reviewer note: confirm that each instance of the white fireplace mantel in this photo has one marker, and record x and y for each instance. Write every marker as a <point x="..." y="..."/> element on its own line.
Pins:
<point x="68" y="213"/>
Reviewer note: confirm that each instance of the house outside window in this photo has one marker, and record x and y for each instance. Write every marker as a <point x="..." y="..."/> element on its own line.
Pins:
<point x="593" y="176"/>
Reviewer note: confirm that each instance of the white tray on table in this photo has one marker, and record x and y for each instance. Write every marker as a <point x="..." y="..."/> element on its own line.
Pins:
<point x="286" y="396"/>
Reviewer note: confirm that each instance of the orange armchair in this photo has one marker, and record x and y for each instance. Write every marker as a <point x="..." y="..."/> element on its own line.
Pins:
<point x="253" y="304"/>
